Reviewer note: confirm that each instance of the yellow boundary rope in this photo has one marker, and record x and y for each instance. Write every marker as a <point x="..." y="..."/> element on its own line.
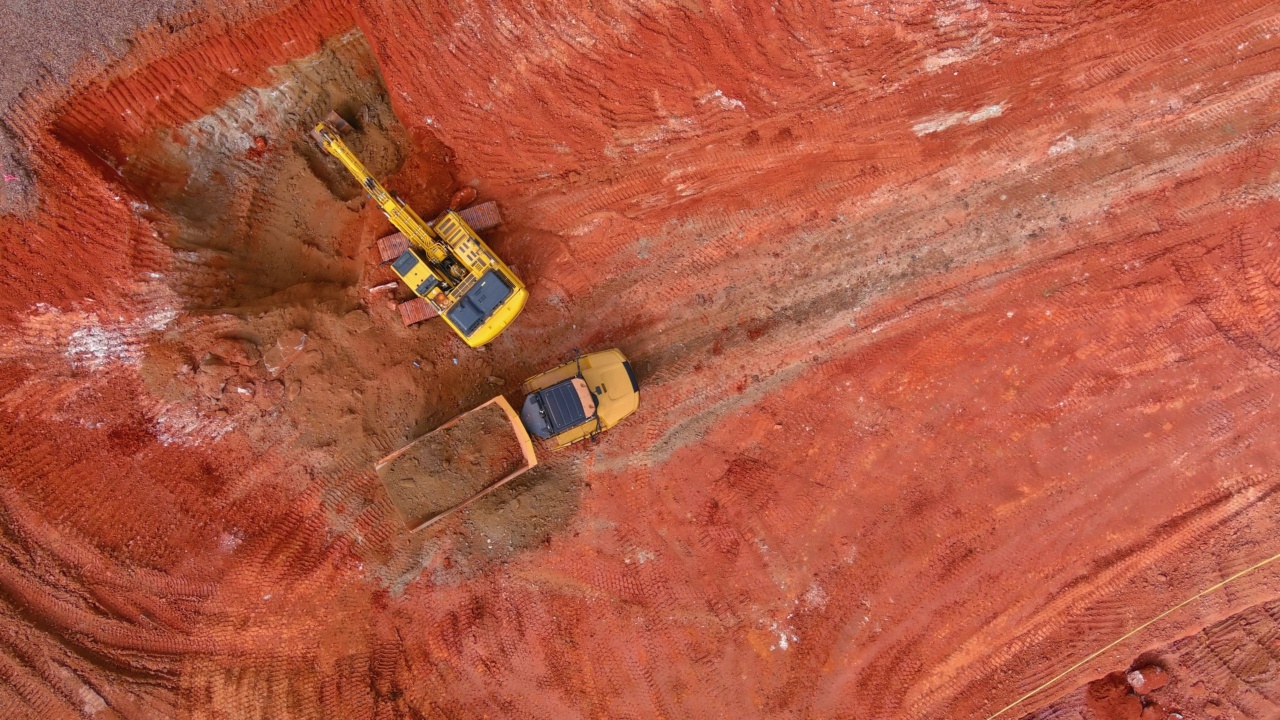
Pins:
<point x="1135" y="631"/>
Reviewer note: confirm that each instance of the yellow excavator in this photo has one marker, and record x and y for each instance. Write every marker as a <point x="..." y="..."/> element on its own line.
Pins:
<point x="445" y="263"/>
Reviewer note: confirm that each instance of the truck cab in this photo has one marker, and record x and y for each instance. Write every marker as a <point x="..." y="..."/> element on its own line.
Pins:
<point x="580" y="399"/>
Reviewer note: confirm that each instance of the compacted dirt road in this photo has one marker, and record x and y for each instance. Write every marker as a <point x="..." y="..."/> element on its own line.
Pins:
<point x="956" y="324"/>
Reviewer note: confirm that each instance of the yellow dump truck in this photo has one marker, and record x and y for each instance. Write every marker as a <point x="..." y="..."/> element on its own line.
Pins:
<point x="483" y="449"/>
<point x="444" y="262"/>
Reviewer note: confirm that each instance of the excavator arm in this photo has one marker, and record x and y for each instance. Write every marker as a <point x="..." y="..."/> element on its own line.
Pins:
<point x="401" y="216"/>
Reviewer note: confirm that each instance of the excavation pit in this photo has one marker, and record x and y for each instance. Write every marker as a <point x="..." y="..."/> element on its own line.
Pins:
<point x="246" y="199"/>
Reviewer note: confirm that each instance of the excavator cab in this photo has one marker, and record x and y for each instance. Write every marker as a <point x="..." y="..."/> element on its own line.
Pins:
<point x="415" y="273"/>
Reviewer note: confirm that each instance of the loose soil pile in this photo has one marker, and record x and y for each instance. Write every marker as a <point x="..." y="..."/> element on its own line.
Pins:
<point x="956" y="327"/>
<point x="448" y="465"/>
<point x="245" y="196"/>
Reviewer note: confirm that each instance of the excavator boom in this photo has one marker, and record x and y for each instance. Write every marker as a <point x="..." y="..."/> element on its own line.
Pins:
<point x="401" y="216"/>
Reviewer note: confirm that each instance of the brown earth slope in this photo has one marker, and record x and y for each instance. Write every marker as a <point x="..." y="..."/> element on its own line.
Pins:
<point x="956" y="326"/>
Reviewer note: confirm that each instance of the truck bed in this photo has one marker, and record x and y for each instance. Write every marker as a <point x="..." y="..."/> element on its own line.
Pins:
<point x="457" y="463"/>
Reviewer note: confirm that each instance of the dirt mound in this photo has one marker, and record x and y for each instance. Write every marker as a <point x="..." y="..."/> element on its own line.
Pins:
<point x="245" y="197"/>
<point x="1111" y="698"/>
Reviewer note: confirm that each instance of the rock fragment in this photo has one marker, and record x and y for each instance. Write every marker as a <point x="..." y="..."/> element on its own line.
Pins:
<point x="1147" y="678"/>
<point x="235" y="351"/>
<point x="269" y="394"/>
<point x="238" y="391"/>
<point x="286" y="349"/>
<point x="210" y="385"/>
<point x="357" y="321"/>
<point x="464" y="197"/>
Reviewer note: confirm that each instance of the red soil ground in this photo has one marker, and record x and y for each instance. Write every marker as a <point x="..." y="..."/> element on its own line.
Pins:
<point x="956" y="326"/>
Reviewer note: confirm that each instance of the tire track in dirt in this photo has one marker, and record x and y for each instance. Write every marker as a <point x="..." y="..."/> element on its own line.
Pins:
<point x="759" y="528"/>
<point x="1210" y="670"/>
<point x="650" y="440"/>
<point x="1089" y="599"/>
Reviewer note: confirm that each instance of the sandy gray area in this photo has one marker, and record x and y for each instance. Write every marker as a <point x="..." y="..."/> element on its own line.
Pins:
<point x="48" y="38"/>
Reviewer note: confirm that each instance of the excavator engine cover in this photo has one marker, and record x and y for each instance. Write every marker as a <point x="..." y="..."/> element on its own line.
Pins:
<point x="478" y="304"/>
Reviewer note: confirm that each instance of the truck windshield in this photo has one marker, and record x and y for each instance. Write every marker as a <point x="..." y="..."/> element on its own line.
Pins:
<point x="562" y="406"/>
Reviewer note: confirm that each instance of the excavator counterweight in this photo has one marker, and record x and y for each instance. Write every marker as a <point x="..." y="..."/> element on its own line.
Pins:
<point x="446" y="262"/>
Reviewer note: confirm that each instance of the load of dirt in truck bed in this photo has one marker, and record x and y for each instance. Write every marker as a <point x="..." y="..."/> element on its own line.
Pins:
<point x="445" y="467"/>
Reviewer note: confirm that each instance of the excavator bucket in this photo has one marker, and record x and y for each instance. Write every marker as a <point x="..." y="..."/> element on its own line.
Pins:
<point x="336" y="121"/>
